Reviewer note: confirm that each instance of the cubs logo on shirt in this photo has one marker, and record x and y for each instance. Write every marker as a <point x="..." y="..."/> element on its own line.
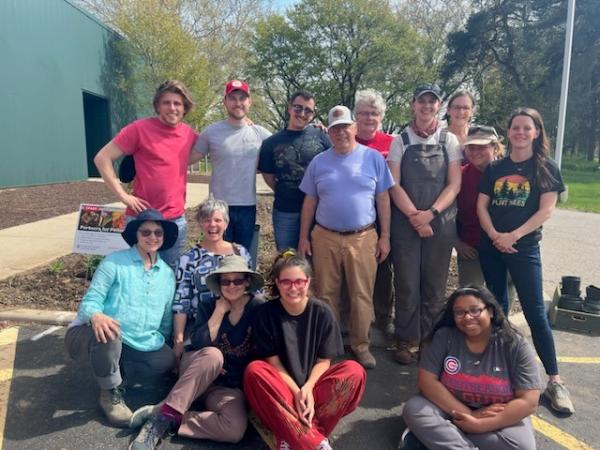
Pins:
<point x="451" y="365"/>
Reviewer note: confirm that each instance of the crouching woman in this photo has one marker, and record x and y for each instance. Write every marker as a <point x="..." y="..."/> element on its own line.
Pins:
<point x="295" y="390"/>
<point x="125" y="315"/>
<point x="212" y="366"/>
<point x="478" y="378"/>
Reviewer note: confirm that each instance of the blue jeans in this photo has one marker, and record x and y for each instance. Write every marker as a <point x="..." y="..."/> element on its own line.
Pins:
<point x="241" y="225"/>
<point x="525" y="268"/>
<point x="171" y="256"/>
<point x="286" y="227"/>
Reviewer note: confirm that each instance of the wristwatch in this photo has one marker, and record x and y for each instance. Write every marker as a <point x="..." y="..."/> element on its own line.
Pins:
<point x="434" y="211"/>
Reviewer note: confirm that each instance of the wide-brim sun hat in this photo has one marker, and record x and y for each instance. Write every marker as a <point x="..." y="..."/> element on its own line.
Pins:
<point x="234" y="264"/>
<point x="170" y="230"/>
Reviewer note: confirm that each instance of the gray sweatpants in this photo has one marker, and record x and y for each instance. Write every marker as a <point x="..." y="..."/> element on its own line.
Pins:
<point x="435" y="430"/>
<point x="108" y="359"/>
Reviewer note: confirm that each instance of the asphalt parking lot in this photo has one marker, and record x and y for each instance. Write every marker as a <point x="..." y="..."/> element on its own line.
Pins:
<point x="49" y="402"/>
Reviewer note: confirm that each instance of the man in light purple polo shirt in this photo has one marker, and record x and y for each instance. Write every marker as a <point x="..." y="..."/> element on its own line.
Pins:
<point x="342" y="186"/>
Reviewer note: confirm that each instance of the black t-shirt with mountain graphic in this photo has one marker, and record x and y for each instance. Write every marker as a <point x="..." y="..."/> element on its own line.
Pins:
<point x="515" y="194"/>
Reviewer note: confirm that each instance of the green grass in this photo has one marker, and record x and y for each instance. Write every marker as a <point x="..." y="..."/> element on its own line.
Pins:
<point x="583" y="179"/>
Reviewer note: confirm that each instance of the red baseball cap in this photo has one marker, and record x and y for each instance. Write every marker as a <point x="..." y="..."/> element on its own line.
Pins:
<point x="236" y="85"/>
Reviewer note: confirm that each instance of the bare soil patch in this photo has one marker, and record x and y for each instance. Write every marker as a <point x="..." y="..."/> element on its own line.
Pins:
<point x="30" y="204"/>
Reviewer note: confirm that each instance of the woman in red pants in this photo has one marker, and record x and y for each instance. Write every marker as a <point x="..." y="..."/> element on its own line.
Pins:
<point x="295" y="389"/>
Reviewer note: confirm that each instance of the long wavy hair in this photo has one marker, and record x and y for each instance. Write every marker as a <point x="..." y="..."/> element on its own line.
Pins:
<point x="499" y="322"/>
<point x="541" y="146"/>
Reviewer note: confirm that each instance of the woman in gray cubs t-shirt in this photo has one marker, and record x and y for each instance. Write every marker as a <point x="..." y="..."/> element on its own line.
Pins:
<point x="478" y="378"/>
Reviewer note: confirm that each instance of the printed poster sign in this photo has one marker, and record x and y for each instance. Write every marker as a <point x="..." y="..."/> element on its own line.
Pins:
<point x="99" y="230"/>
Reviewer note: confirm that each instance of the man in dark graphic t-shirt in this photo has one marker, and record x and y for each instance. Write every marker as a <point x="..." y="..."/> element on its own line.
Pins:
<point x="283" y="160"/>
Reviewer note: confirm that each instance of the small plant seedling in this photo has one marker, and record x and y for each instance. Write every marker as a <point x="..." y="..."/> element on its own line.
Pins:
<point x="57" y="266"/>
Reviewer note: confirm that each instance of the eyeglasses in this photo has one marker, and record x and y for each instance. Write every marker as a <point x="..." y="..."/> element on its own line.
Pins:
<point x="236" y="282"/>
<point x="461" y="107"/>
<point x="368" y="114"/>
<point x="146" y="232"/>
<point x="299" y="109"/>
<point x="473" y="312"/>
<point x="299" y="283"/>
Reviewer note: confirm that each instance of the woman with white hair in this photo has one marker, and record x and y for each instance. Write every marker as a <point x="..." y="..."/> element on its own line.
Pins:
<point x="369" y="111"/>
<point x="195" y="265"/>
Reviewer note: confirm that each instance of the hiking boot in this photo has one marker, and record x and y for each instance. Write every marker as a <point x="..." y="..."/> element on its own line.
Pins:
<point x="114" y="407"/>
<point x="403" y="353"/>
<point x="559" y="397"/>
<point x="365" y="358"/>
<point x="155" y="429"/>
<point x="141" y="415"/>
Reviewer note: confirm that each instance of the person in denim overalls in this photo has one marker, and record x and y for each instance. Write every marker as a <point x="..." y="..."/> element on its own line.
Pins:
<point x="425" y="163"/>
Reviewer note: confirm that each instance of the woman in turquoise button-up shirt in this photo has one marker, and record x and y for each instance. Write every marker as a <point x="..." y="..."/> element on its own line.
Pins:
<point x="125" y="316"/>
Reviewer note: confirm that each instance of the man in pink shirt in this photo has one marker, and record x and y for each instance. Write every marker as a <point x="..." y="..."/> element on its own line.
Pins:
<point x="160" y="147"/>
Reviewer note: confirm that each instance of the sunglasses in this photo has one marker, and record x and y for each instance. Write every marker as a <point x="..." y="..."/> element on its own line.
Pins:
<point x="299" y="109"/>
<point x="236" y="282"/>
<point x="146" y="232"/>
<point x="473" y="312"/>
<point x="286" y="283"/>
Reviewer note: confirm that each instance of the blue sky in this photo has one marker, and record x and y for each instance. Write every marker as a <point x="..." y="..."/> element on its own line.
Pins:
<point x="283" y="4"/>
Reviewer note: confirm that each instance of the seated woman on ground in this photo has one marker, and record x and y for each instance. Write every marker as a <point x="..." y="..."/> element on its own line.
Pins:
<point x="478" y="378"/>
<point x="212" y="366"/>
<point x="125" y="316"/>
<point x="195" y="265"/>
<point x="295" y="390"/>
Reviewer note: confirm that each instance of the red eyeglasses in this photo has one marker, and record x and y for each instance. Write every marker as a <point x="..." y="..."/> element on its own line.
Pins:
<point x="286" y="283"/>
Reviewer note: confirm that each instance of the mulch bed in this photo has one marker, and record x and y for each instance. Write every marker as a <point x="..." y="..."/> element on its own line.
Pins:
<point x="30" y="204"/>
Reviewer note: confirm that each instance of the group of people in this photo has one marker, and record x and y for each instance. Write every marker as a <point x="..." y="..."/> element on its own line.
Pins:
<point x="376" y="217"/>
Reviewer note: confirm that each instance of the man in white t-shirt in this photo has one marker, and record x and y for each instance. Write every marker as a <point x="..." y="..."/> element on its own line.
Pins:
<point x="233" y="146"/>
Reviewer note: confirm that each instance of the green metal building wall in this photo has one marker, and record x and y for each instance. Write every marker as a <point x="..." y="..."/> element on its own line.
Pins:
<point x="50" y="54"/>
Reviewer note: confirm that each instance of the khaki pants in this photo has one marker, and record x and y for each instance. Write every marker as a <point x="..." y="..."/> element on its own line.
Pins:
<point x="351" y="255"/>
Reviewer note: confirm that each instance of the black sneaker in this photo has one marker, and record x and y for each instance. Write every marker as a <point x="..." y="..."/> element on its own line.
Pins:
<point x="155" y="429"/>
